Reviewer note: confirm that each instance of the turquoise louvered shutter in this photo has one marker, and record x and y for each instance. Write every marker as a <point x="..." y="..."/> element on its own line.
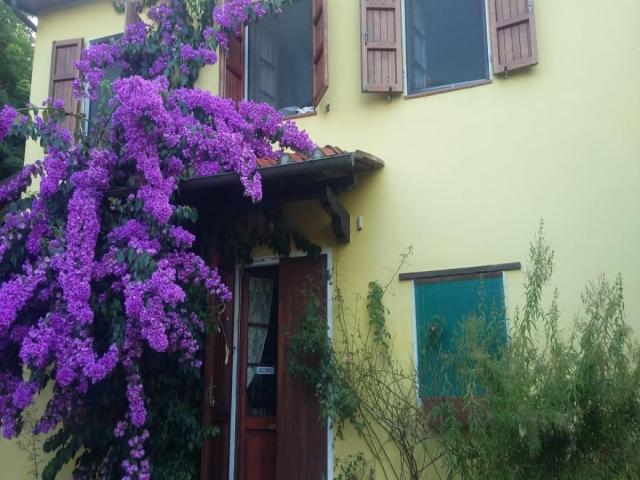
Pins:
<point x="442" y="310"/>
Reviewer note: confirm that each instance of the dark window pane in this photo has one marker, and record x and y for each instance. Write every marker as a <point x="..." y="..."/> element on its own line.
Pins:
<point x="280" y="59"/>
<point x="446" y="43"/>
<point x="261" y="392"/>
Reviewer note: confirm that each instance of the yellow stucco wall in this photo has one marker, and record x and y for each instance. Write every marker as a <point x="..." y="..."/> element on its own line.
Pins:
<point x="468" y="173"/>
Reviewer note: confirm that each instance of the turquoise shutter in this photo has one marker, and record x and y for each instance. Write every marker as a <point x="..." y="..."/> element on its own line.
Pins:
<point x="442" y="308"/>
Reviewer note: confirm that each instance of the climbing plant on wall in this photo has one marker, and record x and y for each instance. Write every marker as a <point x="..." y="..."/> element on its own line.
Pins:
<point x="103" y="300"/>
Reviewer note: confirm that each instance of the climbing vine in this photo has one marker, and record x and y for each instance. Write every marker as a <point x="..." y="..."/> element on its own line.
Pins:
<point x="103" y="299"/>
<point x="361" y="383"/>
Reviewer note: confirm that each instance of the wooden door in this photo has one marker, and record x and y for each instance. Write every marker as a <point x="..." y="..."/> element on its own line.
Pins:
<point x="217" y="384"/>
<point x="257" y="378"/>
<point x="302" y="435"/>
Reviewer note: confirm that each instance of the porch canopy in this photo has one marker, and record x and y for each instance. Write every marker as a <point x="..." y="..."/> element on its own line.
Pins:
<point x="327" y="172"/>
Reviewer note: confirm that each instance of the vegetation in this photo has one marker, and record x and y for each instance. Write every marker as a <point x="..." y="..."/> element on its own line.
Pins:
<point x="104" y="298"/>
<point x="551" y="404"/>
<point x="16" y="58"/>
<point x="361" y="384"/>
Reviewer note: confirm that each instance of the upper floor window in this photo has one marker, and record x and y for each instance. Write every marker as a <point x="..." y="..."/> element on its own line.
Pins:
<point x="446" y="43"/>
<point x="280" y="66"/>
<point x="280" y="60"/>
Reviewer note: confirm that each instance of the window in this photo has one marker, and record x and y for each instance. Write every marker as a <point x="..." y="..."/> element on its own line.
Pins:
<point x="446" y="43"/>
<point x="443" y="308"/>
<point x="286" y="59"/>
<point x="280" y="59"/>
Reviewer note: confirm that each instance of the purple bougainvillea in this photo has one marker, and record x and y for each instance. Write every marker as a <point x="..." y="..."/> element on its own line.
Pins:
<point x="90" y="281"/>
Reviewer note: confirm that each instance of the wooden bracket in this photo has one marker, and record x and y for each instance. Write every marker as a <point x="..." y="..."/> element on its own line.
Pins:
<point x="340" y="220"/>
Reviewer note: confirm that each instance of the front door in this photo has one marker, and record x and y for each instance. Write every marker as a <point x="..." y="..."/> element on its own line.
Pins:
<point x="277" y="427"/>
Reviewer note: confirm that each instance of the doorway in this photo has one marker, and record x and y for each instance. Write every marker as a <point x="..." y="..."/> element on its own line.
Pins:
<point x="270" y="423"/>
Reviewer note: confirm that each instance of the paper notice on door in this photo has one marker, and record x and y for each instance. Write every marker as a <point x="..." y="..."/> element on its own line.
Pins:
<point x="265" y="370"/>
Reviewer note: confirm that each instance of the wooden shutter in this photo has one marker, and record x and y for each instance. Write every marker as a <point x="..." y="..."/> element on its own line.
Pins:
<point x="513" y="34"/>
<point x="232" y="70"/>
<point x="382" y="46"/>
<point x="217" y="387"/>
<point x="320" y="47"/>
<point x="130" y="13"/>
<point x="301" y="435"/>
<point x="64" y="56"/>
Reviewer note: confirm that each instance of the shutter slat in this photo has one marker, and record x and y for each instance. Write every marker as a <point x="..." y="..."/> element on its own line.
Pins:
<point x="64" y="55"/>
<point x="382" y="46"/>
<point x="299" y="426"/>
<point x="513" y="36"/>
<point x="320" y="36"/>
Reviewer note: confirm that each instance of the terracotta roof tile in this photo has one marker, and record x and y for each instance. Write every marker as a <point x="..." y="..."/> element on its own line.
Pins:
<point x="267" y="162"/>
<point x="296" y="157"/>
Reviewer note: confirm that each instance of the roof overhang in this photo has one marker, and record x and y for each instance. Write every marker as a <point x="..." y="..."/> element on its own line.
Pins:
<point x="34" y="7"/>
<point x="316" y="178"/>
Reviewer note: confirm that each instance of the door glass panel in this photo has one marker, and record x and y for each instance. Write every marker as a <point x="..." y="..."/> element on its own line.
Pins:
<point x="261" y="348"/>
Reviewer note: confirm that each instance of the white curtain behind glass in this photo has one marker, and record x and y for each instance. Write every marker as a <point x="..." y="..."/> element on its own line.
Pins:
<point x="260" y="297"/>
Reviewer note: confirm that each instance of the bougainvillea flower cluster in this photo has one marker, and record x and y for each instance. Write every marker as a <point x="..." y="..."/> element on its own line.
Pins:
<point x="92" y="279"/>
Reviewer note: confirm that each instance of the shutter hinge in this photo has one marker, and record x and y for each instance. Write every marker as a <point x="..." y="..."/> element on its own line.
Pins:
<point x="365" y="36"/>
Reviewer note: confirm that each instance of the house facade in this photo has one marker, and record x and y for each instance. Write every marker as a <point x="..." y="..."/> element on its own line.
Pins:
<point x="478" y="119"/>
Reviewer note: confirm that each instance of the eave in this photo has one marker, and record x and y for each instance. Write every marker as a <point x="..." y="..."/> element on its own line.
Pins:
<point x="34" y="7"/>
<point x="320" y="179"/>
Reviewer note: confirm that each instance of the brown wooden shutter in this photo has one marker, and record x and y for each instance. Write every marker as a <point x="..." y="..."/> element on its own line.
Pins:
<point x="320" y="50"/>
<point x="513" y="34"/>
<point x="301" y="435"/>
<point x="217" y="386"/>
<point x="130" y="13"/>
<point x="232" y="70"/>
<point x="382" y="46"/>
<point x="64" y="55"/>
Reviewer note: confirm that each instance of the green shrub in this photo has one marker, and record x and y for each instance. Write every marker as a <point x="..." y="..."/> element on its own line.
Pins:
<point x="552" y="406"/>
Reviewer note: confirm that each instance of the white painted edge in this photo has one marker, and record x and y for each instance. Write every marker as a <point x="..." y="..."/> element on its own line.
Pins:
<point x="234" y="373"/>
<point x="265" y="261"/>
<point x="405" y="75"/>
<point x="245" y="79"/>
<point x="487" y="20"/>
<point x="329" y="253"/>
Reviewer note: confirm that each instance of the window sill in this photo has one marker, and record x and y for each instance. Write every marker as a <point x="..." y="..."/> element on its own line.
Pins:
<point x="300" y="115"/>
<point x="448" y="88"/>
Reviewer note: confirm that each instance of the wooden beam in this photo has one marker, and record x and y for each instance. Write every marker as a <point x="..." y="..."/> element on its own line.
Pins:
<point x="455" y="272"/>
<point x="340" y="220"/>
